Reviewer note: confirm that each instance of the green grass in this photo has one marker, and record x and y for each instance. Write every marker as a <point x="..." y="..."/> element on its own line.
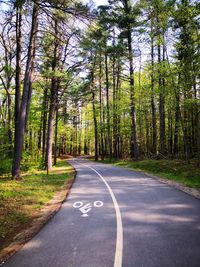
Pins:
<point x="21" y="201"/>
<point x="177" y="170"/>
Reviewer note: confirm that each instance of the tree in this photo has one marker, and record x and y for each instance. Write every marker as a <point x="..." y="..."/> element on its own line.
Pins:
<point x="26" y="96"/>
<point x="53" y="96"/>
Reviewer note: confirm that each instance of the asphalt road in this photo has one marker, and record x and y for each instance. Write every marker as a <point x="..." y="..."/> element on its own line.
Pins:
<point x="116" y="217"/>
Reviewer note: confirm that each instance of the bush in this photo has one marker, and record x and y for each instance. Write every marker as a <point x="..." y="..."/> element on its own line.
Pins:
<point x="5" y="166"/>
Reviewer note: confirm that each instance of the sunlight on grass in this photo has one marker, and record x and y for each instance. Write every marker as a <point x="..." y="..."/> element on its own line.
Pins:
<point x="177" y="170"/>
<point x="21" y="201"/>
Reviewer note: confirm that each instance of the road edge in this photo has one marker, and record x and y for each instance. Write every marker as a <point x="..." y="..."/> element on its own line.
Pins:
<point x="177" y="185"/>
<point x="188" y="190"/>
<point x="47" y="213"/>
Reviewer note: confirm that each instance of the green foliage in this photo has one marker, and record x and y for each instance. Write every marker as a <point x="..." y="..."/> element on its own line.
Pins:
<point x="30" y="163"/>
<point x="5" y="166"/>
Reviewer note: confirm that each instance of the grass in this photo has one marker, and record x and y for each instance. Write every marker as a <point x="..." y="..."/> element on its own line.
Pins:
<point x="176" y="170"/>
<point x="21" y="201"/>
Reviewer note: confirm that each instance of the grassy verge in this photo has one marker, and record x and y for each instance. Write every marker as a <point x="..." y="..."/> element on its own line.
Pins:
<point x="176" y="170"/>
<point x="21" y="201"/>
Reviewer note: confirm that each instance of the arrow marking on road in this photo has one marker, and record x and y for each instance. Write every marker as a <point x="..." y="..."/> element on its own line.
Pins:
<point x="85" y="209"/>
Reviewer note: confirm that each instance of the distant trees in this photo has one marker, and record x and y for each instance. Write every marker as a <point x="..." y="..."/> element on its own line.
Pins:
<point x="187" y="47"/>
<point x="162" y="95"/>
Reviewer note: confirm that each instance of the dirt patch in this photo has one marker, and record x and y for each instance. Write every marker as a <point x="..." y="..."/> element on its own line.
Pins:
<point x="66" y="157"/>
<point x="48" y="211"/>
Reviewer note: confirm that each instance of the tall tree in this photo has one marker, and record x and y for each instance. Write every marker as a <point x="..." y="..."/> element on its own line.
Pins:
<point x="128" y="21"/>
<point x="26" y="96"/>
<point x="19" y="4"/>
<point x="53" y="96"/>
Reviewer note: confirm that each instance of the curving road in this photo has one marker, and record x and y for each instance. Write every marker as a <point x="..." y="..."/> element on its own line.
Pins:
<point x="115" y="217"/>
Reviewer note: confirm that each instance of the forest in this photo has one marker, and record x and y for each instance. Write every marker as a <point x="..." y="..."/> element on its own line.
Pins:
<point x="117" y="81"/>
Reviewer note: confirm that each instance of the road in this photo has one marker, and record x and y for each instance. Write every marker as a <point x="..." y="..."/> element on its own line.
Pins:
<point x="116" y="217"/>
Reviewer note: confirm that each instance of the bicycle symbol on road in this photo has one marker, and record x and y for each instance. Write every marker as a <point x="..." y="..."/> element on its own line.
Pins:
<point x="85" y="208"/>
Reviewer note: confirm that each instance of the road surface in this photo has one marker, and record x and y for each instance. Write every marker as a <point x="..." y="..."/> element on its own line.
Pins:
<point x="116" y="217"/>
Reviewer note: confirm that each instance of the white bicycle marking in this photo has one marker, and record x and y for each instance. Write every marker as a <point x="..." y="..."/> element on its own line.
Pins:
<point x="77" y="204"/>
<point x="84" y="209"/>
<point x="98" y="204"/>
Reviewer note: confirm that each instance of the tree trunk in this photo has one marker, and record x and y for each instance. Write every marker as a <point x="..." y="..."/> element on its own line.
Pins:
<point x="44" y="121"/>
<point x="134" y="141"/>
<point x="153" y="107"/>
<point x="39" y="145"/>
<point x="139" y="109"/>
<point x="114" y="110"/>
<point x="198" y="135"/>
<point x="176" y="128"/>
<point x="18" y="63"/>
<point x="20" y="131"/>
<point x="161" y="105"/>
<point x="100" y="103"/>
<point x="53" y="101"/>
<point x="108" y="106"/>
<point x="118" y="130"/>
<point x="94" y="117"/>
<point x="56" y="138"/>
<point x="9" y="131"/>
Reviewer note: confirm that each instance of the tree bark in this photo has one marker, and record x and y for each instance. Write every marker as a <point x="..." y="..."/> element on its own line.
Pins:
<point x="108" y="106"/>
<point x="53" y="97"/>
<point x="176" y="127"/>
<point x="100" y="103"/>
<point x="56" y="138"/>
<point x="18" y="63"/>
<point x="153" y="107"/>
<point x="134" y="141"/>
<point x="44" y="121"/>
<point x="198" y="135"/>
<point x="20" y="131"/>
<point x="53" y="101"/>
<point x="114" y="110"/>
<point x="94" y="116"/>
